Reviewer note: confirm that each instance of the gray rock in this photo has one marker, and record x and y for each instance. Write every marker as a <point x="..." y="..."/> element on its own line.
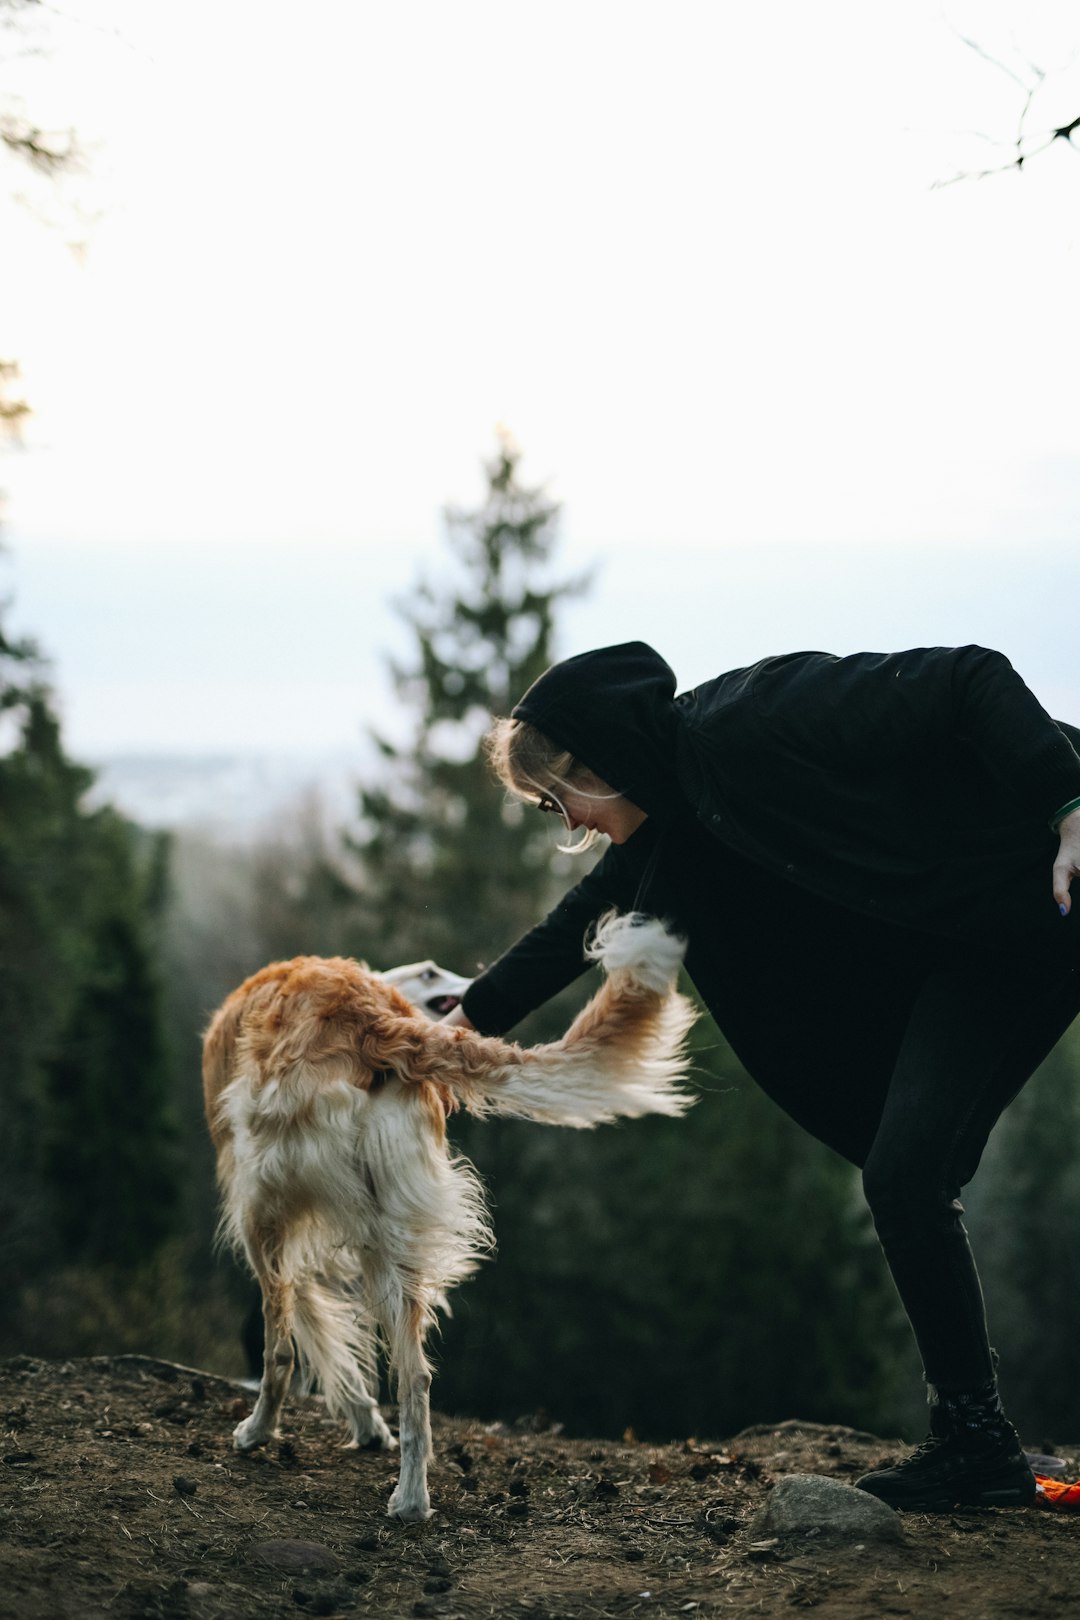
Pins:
<point x="294" y="1557"/>
<point x="803" y="1504"/>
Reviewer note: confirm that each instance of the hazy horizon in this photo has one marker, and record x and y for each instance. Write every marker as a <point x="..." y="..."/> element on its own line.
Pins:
<point x="788" y="389"/>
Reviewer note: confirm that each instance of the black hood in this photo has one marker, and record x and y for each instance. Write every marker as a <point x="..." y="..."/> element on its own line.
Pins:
<point x="613" y="709"/>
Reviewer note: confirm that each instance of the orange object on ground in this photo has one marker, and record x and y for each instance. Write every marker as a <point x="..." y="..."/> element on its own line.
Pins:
<point x="1057" y="1493"/>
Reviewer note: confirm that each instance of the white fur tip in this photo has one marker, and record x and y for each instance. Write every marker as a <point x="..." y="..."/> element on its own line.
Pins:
<point x="641" y="946"/>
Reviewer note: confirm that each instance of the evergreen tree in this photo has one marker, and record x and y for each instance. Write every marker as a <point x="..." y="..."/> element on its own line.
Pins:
<point x="83" y="1130"/>
<point x="108" y="1146"/>
<point x="450" y="869"/>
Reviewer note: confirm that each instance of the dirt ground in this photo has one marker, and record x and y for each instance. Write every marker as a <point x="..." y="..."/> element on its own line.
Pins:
<point x="121" y="1495"/>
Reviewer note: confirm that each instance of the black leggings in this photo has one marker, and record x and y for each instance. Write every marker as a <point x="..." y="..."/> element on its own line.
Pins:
<point x="898" y="1050"/>
<point x="975" y="1035"/>
<point x="912" y="1100"/>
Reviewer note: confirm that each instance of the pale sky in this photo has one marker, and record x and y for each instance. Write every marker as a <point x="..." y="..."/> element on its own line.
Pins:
<point x="789" y="392"/>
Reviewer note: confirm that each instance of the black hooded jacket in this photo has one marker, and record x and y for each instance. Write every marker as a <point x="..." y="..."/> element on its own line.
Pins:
<point x="807" y="806"/>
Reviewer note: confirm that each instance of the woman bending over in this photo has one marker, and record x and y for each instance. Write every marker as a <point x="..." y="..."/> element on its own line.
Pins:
<point x="870" y="858"/>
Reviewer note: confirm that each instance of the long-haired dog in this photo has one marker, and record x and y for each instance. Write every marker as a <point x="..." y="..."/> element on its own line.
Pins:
<point x="327" y="1094"/>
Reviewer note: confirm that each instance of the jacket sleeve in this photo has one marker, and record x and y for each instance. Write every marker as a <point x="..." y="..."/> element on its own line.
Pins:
<point x="552" y="955"/>
<point x="872" y="710"/>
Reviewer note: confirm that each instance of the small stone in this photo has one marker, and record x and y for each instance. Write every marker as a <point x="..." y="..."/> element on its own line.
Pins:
<point x="184" y="1487"/>
<point x="805" y="1504"/>
<point x="294" y="1557"/>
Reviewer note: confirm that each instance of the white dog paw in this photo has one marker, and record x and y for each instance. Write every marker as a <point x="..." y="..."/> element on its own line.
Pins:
<point x="249" y="1434"/>
<point x="413" y="1509"/>
<point x="373" y="1436"/>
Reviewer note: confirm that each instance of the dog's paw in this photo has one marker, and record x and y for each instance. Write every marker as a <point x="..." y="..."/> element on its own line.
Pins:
<point x="370" y="1435"/>
<point x="411" y="1508"/>
<point x="249" y="1434"/>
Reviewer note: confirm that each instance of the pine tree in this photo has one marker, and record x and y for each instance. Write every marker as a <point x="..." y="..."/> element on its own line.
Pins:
<point x="450" y="869"/>
<point x="108" y="1145"/>
<point x="84" y="1136"/>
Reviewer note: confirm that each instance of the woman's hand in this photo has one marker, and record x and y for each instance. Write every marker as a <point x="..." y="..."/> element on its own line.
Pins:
<point x="1067" y="865"/>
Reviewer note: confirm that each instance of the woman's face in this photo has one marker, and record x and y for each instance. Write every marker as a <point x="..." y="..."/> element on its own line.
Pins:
<point x="591" y="803"/>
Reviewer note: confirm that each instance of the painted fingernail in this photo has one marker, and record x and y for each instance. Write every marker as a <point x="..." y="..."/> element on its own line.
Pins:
<point x="1063" y="908"/>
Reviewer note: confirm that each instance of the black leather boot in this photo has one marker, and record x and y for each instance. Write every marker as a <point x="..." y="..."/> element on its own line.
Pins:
<point x="972" y="1457"/>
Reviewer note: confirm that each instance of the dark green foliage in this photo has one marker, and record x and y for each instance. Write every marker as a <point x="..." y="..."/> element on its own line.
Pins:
<point x="107" y="1149"/>
<point x="1024" y="1212"/>
<point x="85" y="1155"/>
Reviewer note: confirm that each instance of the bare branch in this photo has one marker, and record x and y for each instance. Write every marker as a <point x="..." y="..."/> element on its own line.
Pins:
<point x="1023" y="151"/>
<point x="994" y="61"/>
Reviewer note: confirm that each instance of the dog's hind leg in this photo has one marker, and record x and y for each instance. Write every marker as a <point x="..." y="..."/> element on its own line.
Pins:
<point x="367" y="1427"/>
<point x="335" y="1339"/>
<point x="278" y="1357"/>
<point x="412" y="1375"/>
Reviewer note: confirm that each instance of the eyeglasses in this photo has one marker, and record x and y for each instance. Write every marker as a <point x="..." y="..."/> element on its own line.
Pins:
<point x="547" y="806"/>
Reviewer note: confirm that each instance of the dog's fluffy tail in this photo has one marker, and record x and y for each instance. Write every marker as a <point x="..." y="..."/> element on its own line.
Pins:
<point x="336" y="1347"/>
<point x="623" y="1056"/>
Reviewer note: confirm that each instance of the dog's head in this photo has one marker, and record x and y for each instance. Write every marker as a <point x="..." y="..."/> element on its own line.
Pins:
<point x="431" y="989"/>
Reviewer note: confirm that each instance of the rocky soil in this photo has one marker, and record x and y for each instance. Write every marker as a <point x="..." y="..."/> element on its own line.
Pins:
<point x="120" y="1495"/>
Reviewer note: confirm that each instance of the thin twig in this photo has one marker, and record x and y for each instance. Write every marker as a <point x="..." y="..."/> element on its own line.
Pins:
<point x="1030" y="85"/>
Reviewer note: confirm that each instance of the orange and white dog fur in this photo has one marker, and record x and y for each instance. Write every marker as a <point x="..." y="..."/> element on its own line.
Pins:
<point x="327" y="1093"/>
